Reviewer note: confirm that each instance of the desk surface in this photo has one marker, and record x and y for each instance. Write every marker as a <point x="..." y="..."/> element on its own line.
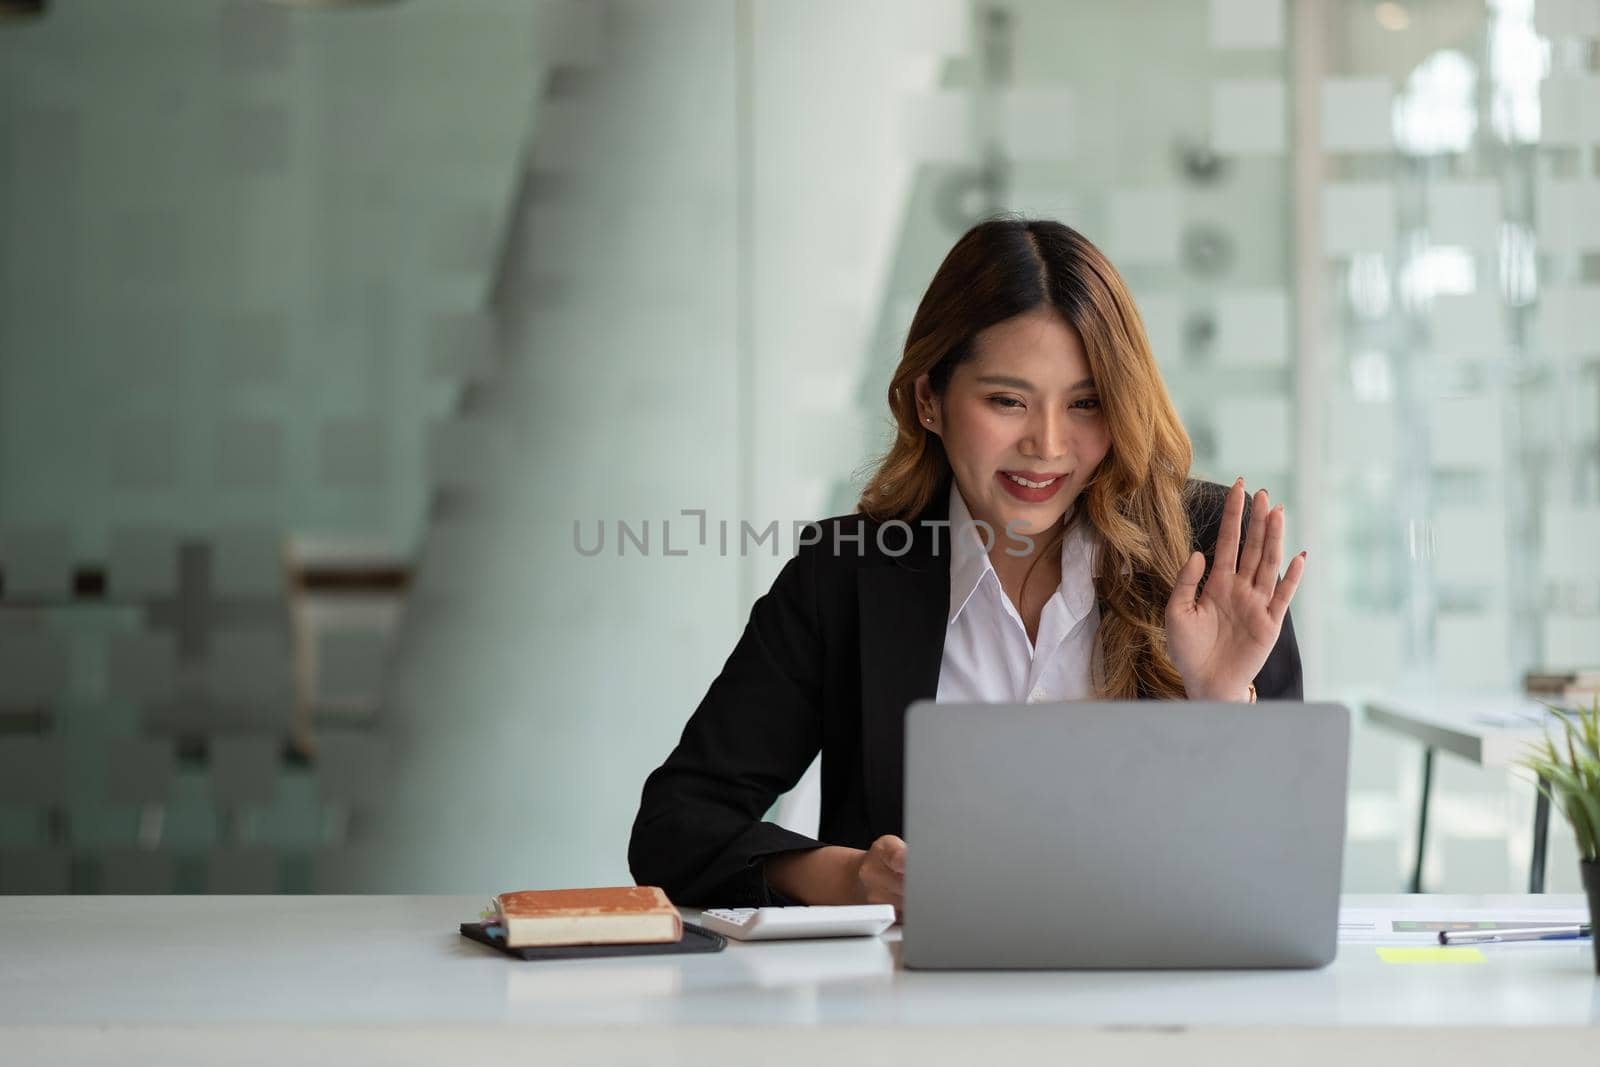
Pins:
<point x="399" y="959"/>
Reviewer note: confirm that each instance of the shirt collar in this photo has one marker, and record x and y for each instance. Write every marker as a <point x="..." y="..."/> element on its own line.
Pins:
<point x="969" y="561"/>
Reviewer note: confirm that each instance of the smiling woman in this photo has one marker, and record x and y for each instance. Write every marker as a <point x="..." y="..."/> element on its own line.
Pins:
<point x="1027" y="354"/>
<point x="1026" y="400"/>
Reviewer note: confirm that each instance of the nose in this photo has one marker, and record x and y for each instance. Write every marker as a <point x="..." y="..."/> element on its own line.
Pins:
<point x="1048" y="433"/>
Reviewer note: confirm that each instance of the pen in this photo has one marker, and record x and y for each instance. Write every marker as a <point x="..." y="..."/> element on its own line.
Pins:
<point x="1532" y="933"/>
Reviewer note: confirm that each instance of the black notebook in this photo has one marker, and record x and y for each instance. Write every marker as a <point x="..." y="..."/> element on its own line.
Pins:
<point x="695" y="939"/>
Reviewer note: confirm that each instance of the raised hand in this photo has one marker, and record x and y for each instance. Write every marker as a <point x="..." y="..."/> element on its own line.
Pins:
<point x="1219" y="640"/>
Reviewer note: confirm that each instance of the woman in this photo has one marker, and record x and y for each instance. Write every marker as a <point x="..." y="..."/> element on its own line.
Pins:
<point x="1032" y="534"/>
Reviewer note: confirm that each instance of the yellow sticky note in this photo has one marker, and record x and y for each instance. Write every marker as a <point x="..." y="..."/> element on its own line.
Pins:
<point x="1441" y="954"/>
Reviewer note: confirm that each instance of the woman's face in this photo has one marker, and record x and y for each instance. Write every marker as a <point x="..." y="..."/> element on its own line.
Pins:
<point x="1024" y="407"/>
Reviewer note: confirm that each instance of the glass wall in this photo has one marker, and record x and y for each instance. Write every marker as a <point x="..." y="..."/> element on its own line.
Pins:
<point x="386" y="389"/>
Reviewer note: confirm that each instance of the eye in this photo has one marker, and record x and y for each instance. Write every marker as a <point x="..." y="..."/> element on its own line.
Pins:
<point x="1006" y="402"/>
<point x="1087" y="403"/>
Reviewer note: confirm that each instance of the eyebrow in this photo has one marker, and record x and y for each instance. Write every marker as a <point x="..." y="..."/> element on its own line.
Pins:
<point x="1022" y="383"/>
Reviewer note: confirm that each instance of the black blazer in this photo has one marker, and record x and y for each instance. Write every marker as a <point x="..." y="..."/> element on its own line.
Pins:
<point x="851" y="633"/>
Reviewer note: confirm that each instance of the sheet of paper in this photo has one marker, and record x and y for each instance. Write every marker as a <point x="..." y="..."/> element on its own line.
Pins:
<point x="1415" y="926"/>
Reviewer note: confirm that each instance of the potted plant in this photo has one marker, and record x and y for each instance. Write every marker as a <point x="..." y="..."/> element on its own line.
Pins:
<point x="1569" y="773"/>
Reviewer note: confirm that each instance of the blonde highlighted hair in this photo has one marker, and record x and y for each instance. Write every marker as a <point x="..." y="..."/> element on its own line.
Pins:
<point x="1134" y="501"/>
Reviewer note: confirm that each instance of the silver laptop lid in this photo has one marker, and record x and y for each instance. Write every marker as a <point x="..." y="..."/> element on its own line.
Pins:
<point x="1124" y="834"/>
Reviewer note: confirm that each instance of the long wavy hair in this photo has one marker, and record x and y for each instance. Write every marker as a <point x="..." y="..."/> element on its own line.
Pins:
<point x="1135" y="500"/>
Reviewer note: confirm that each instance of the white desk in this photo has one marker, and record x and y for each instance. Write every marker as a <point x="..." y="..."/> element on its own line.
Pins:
<point x="1489" y="729"/>
<point x="180" y="979"/>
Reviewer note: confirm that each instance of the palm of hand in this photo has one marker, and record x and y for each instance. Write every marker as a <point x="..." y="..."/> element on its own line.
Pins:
<point x="1219" y="640"/>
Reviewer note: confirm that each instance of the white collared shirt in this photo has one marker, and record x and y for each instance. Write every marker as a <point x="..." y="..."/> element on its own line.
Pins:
<point x="987" y="655"/>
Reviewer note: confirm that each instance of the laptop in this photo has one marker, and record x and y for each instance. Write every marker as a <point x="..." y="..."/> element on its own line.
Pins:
<point x="1141" y="834"/>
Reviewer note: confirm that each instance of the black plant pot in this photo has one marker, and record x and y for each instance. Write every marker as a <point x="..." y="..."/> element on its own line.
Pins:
<point x="1591" y="886"/>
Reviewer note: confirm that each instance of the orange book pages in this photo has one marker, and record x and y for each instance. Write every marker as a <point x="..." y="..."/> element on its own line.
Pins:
<point x="612" y="915"/>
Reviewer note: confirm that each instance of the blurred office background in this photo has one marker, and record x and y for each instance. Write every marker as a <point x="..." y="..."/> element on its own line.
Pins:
<point x="335" y="337"/>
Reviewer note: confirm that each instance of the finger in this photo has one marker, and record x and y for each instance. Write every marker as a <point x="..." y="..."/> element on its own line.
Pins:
<point x="882" y="883"/>
<point x="1225" y="555"/>
<point x="1266" y="575"/>
<point x="1279" y="604"/>
<point x="1187" y="585"/>
<point x="893" y="852"/>
<point x="1255" y="534"/>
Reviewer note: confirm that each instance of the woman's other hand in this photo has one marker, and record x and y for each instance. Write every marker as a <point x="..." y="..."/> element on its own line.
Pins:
<point x="881" y="873"/>
<point x="1219" y="640"/>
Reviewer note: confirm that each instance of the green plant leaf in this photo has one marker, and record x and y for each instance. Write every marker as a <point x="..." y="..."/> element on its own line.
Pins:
<point x="1569" y="773"/>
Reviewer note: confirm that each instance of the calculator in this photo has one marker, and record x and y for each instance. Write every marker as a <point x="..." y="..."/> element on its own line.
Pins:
<point x="808" y="920"/>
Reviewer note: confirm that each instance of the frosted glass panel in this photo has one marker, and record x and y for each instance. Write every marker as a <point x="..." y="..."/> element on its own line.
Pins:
<point x="1039" y="123"/>
<point x="1356" y="114"/>
<point x="1144" y="225"/>
<point x="1469" y="327"/>
<point x="1568" y="219"/>
<point x="1464" y="213"/>
<point x="1249" y="117"/>
<point x="1466" y="432"/>
<point x="1253" y="328"/>
<point x="1246" y="23"/>
<point x="1358" y="217"/>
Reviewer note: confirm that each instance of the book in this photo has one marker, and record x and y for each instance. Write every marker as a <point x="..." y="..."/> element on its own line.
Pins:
<point x="695" y="939"/>
<point x="615" y="915"/>
<point x="1561" y="683"/>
